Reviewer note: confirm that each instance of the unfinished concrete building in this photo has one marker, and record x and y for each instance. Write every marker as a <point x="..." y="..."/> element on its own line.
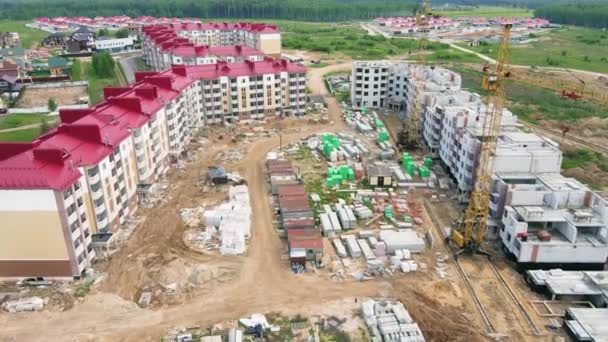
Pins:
<point x="385" y="84"/>
<point x="551" y="221"/>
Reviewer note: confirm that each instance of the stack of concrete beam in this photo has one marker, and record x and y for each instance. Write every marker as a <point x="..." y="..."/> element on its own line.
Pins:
<point x="363" y="212"/>
<point x="346" y="216"/>
<point x="380" y="249"/>
<point x="406" y="239"/>
<point x="367" y="252"/>
<point x="362" y="148"/>
<point x="335" y="222"/>
<point x="328" y="228"/>
<point x="340" y="250"/>
<point x="352" y="246"/>
<point x="390" y="321"/>
<point x="363" y="127"/>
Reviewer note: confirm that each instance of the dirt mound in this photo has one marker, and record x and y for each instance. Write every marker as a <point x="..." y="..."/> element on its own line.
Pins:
<point x="107" y="302"/>
<point x="439" y="321"/>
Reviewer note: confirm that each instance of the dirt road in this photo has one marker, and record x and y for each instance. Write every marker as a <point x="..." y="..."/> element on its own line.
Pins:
<point x="264" y="283"/>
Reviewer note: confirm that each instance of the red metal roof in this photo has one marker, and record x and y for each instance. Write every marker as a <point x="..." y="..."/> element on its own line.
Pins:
<point x="307" y="243"/>
<point x="293" y="204"/>
<point x="30" y="166"/>
<point x="291" y="190"/>
<point x="299" y="224"/>
<point x="299" y="234"/>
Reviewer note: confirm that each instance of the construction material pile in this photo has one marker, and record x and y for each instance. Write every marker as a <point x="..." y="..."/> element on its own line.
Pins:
<point x="233" y="219"/>
<point x="336" y="175"/>
<point x="388" y="320"/>
<point x="24" y="304"/>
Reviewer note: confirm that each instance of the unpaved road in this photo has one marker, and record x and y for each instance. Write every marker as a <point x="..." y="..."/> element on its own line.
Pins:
<point x="265" y="283"/>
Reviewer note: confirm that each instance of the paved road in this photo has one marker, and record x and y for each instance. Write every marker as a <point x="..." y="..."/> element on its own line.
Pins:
<point x="129" y="66"/>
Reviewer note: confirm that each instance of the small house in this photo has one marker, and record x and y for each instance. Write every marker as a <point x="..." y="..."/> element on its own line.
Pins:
<point x="217" y="175"/>
<point x="7" y="68"/>
<point x="56" y="66"/>
<point x="8" y="39"/>
<point x="80" y="40"/>
<point x="379" y="176"/>
<point x="308" y="247"/>
<point x="55" y="39"/>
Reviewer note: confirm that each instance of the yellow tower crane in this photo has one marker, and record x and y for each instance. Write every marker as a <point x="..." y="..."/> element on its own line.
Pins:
<point x="415" y="113"/>
<point x="469" y="234"/>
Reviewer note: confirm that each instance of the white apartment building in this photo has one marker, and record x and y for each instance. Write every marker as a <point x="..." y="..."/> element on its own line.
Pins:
<point x="86" y="176"/>
<point x="177" y="51"/>
<point x="386" y="84"/>
<point x="551" y="221"/>
<point x="257" y="39"/>
<point x="114" y="45"/>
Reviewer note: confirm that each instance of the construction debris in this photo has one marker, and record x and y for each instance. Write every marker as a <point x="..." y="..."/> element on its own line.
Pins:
<point x="24" y="304"/>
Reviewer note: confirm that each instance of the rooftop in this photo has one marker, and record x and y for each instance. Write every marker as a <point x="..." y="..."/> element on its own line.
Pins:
<point x="86" y="136"/>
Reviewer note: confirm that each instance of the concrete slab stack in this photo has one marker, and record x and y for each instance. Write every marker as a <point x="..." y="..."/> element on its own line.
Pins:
<point x="406" y="239"/>
<point x="366" y="250"/>
<point x="390" y="321"/>
<point x="352" y="246"/>
<point x="340" y="250"/>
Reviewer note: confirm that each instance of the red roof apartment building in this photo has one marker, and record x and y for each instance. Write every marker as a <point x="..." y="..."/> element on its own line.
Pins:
<point x="90" y="174"/>
<point x="199" y="43"/>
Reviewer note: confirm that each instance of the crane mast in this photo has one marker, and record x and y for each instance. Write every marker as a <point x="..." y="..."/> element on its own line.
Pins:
<point x="471" y="231"/>
<point x="415" y="113"/>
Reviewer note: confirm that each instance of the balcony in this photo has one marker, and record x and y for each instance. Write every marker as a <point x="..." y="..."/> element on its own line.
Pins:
<point x="100" y="210"/>
<point x="96" y="195"/>
<point x="76" y="234"/>
<point x="72" y="217"/>
<point x="102" y="224"/>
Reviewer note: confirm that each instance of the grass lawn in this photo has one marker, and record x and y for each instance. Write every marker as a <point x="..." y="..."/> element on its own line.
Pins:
<point x="348" y="39"/>
<point x="18" y="120"/>
<point x="21" y="135"/>
<point x="486" y="11"/>
<point x="97" y="84"/>
<point x="532" y="103"/>
<point x="28" y="35"/>
<point x="568" y="47"/>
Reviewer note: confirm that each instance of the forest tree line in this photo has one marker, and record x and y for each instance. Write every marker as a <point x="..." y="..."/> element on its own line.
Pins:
<point x="304" y="10"/>
<point x="590" y="15"/>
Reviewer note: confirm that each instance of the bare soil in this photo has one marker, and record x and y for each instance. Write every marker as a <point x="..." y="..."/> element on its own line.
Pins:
<point x="213" y="288"/>
<point x="38" y="97"/>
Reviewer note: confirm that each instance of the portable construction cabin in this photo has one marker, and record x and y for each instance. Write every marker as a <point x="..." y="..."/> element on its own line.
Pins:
<point x="379" y="175"/>
<point x="313" y="247"/>
<point x="299" y="223"/>
<point x="291" y="190"/>
<point x="217" y="175"/>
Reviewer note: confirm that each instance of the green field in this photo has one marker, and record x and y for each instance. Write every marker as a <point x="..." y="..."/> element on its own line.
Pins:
<point x="532" y="103"/>
<point x="21" y="135"/>
<point x="485" y="11"/>
<point x="28" y="36"/>
<point x="18" y="120"/>
<point x="346" y="40"/>
<point x="569" y="47"/>
<point x="96" y="84"/>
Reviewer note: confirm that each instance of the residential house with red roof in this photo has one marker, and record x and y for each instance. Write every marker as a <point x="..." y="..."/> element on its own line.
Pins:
<point x="86" y="177"/>
<point x="257" y="36"/>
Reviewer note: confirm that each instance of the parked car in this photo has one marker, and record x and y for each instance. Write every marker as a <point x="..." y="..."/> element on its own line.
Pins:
<point x="3" y="110"/>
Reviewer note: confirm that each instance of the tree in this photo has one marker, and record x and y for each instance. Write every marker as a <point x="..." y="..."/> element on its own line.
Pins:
<point x="586" y="59"/>
<point x="103" y="65"/>
<point x="51" y="105"/>
<point x="103" y="32"/>
<point x="76" y="70"/>
<point x="44" y="125"/>
<point x="122" y="33"/>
